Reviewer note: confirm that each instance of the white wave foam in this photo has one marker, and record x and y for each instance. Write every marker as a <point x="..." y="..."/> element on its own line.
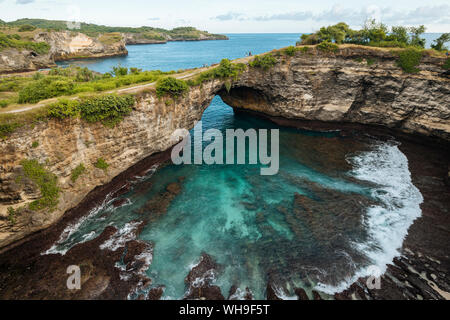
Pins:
<point x="387" y="224"/>
<point x="73" y="227"/>
<point x="121" y="237"/>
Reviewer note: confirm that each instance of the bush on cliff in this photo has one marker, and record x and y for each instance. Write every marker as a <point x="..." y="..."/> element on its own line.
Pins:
<point x="226" y="69"/>
<point x="264" y="62"/>
<point x="409" y="59"/>
<point x="328" y="46"/>
<point x="171" y="86"/>
<point x="47" y="183"/>
<point x="107" y="109"/>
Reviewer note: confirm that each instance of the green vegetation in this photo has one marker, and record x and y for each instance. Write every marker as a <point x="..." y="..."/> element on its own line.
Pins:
<point x="264" y="62"/>
<point x="110" y="38"/>
<point x="372" y="34"/>
<point x="446" y="65"/>
<point x="290" y="51"/>
<point x="409" y="59"/>
<point x="4" y="103"/>
<point x="328" y="46"/>
<point x="439" y="43"/>
<point x="6" y="129"/>
<point x="12" y="215"/>
<point x="101" y="164"/>
<point x="70" y="81"/>
<point x="45" y="181"/>
<point x="9" y="41"/>
<point x="107" y="109"/>
<point x="26" y="27"/>
<point x="171" y="86"/>
<point x="77" y="172"/>
<point x="225" y="70"/>
<point x="184" y="33"/>
<point x="370" y="61"/>
<point x="35" y="144"/>
<point x="45" y="88"/>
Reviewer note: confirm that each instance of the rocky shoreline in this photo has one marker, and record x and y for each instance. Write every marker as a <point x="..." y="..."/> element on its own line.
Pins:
<point x="420" y="273"/>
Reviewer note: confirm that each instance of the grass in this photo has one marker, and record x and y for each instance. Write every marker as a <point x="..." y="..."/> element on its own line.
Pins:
<point x="110" y="38"/>
<point x="446" y="65"/>
<point x="45" y="181"/>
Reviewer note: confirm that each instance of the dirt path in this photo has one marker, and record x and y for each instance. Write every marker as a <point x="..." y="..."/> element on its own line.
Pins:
<point x="133" y="89"/>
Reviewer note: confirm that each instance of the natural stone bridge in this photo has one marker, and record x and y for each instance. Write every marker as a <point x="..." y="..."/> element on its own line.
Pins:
<point x="332" y="88"/>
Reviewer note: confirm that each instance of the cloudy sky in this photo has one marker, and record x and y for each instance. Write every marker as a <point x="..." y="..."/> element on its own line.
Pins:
<point x="231" y="16"/>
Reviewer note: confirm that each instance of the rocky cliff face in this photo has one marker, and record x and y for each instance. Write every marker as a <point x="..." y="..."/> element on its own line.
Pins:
<point x="356" y="85"/>
<point x="13" y="60"/>
<point x="318" y="86"/>
<point x="63" y="145"/>
<point x="69" y="45"/>
<point x="64" y="45"/>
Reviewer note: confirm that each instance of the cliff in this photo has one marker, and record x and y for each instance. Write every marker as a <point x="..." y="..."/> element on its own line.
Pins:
<point x="312" y="85"/>
<point x="69" y="45"/>
<point x="355" y="85"/>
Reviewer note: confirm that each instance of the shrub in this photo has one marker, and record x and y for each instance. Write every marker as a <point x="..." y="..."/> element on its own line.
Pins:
<point x="3" y="103"/>
<point x="35" y="144"/>
<point x="328" y="46"/>
<point x="7" y="129"/>
<point x="64" y="109"/>
<point x="119" y="71"/>
<point x="45" y="181"/>
<point x="264" y="62"/>
<point x="12" y="215"/>
<point x="409" y="59"/>
<point x="290" y="51"/>
<point x="101" y="164"/>
<point x="446" y="65"/>
<point x="27" y="27"/>
<point x="45" y="88"/>
<point x="77" y="172"/>
<point x="108" y="109"/>
<point x="171" y="86"/>
<point x="370" y="61"/>
<point x="226" y="69"/>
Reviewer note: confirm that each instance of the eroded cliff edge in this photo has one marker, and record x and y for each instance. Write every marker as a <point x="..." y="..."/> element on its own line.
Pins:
<point x="311" y="86"/>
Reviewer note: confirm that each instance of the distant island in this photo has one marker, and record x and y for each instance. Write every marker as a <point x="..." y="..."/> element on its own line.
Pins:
<point x="32" y="44"/>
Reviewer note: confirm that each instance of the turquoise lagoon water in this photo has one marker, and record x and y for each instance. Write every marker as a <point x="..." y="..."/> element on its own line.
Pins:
<point x="338" y="209"/>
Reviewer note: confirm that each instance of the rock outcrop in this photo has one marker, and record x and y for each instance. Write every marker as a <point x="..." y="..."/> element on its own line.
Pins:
<point x="356" y="85"/>
<point x="69" y="45"/>
<point x="327" y="87"/>
<point x="13" y="61"/>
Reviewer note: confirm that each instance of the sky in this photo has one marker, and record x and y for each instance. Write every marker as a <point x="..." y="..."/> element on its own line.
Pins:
<point x="235" y="16"/>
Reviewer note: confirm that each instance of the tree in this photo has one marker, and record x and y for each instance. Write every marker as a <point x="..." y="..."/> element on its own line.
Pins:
<point x="439" y="43"/>
<point x="399" y="34"/>
<point x="416" y="41"/>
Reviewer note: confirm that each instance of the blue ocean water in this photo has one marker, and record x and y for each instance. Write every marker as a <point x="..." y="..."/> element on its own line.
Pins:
<point x="337" y="207"/>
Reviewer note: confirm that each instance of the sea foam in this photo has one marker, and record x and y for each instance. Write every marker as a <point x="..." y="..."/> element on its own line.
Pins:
<point x="387" y="223"/>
